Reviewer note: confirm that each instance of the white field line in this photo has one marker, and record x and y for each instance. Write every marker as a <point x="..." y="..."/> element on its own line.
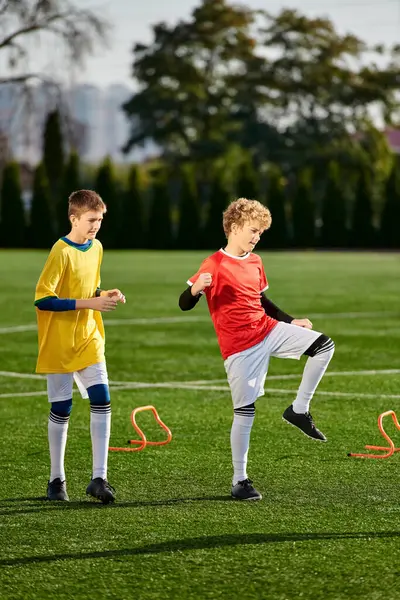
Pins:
<point x="207" y="382"/>
<point x="216" y="388"/>
<point x="44" y="393"/>
<point x="273" y="377"/>
<point x="118" y="322"/>
<point x="203" y="319"/>
<point x="18" y="328"/>
<point x="24" y="394"/>
<point x="209" y="385"/>
<point x="353" y="315"/>
<point x="21" y="375"/>
<point x="225" y="388"/>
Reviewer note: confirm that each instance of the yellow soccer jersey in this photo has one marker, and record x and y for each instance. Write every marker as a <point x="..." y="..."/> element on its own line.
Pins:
<point x="74" y="339"/>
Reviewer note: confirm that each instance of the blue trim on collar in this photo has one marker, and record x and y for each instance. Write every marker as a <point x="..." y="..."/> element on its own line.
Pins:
<point x="82" y="247"/>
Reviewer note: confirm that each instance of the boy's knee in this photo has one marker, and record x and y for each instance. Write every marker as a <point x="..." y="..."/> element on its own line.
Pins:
<point x="323" y="345"/>
<point x="246" y="411"/>
<point x="62" y="409"/>
<point x="99" y="394"/>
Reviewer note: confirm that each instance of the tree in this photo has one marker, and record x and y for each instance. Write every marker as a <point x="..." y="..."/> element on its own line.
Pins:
<point x="132" y="213"/>
<point x="71" y="183"/>
<point x="76" y="30"/>
<point x="303" y="212"/>
<point x="189" y="226"/>
<point x="362" y="231"/>
<point x="231" y="75"/>
<point x="277" y="235"/>
<point x="53" y="154"/>
<point x="328" y="83"/>
<point x="159" y="232"/>
<point x="186" y="87"/>
<point x="390" y="218"/>
<point x="106" y="187"/>
<point x="213" y="234"/>
<point x="334" y="231"/>
<point x="12" y="219"/>
<point x="247" y="185"/>
<point x="42" y="222"/>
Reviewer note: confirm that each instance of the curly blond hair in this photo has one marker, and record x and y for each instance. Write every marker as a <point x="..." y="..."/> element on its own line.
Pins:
<point x="242" y="211"/>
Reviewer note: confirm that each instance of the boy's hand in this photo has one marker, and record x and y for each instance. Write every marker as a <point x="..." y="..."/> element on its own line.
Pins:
<point x="103" y="303"/>
<point x="204" y="280"/>
<point x="116" y="294"/>
<point x="306" y="323"/>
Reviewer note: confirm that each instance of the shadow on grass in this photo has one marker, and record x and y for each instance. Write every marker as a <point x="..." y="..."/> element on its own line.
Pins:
<point x="29" y="499"/>
<point x="43" y="505"/>
<point x="203" y="543"/>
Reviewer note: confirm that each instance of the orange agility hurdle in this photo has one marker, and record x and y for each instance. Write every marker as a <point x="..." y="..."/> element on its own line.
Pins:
<point x="389" y="451"/>
<point x="143" y="442"/>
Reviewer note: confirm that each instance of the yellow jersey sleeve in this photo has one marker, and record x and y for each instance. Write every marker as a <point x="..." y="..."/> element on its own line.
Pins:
<point x="51" y="275"/>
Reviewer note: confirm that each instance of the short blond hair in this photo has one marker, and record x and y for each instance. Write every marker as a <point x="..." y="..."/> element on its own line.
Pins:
<point x="82" y="201"/>
<point x="242" y="211"/>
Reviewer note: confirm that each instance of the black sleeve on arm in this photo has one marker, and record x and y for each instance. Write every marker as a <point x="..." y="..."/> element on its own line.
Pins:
<point x="187" y="301"/>
<point x="273" y="311"/>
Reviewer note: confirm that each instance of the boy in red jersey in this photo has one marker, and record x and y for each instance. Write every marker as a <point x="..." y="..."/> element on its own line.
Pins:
<point x="250" y="329"/>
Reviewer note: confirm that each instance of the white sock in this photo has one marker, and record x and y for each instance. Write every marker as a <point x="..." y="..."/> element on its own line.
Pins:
<point x="100" y="425"/>
<point x="57" y="434"/>
<point x="313" y="371"/>
<point x="240" y="443"/>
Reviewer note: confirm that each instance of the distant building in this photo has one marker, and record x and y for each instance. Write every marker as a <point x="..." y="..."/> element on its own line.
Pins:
<point x="115" y="124"/>
<point x="86" y="107"/>
<point x="393" y="138"/>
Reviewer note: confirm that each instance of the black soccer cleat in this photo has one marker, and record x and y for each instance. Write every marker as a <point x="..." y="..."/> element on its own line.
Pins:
<point x="57" y="490"/>
<point x="304" y="422"/>
<point x="100" y="488"/>
<point x="243" y="490"/>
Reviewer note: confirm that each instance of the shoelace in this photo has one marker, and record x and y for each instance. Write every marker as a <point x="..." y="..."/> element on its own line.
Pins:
<point x="246" y="483"/>
<point x="310" y="419"/>
<point x="58" y="484"/>
<point x="109" y="487"/>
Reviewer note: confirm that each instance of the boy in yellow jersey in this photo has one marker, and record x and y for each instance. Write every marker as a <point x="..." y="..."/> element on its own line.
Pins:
<point x="68" y="304"/>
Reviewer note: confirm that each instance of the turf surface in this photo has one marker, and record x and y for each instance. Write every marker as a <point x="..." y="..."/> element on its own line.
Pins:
<point x="328" y="526"/>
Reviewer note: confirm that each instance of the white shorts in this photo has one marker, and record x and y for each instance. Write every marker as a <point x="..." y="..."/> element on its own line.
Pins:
<point x="247" y="370"/>
<point x="59" y="385"/>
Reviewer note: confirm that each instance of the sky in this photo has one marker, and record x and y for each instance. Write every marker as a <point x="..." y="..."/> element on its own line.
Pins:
<point x="375" y="21"/>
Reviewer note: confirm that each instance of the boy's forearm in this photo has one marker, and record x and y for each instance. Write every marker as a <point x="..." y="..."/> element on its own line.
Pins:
<point x="80" y="304"/>
<point x="273" y="311"/>
<point x="187" y="300"/>
<point x="54" y="304"/>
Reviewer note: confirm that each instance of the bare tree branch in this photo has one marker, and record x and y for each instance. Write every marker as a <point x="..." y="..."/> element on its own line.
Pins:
<point x="3" y="6"/>
<point x="79" y="30"/>
<point x="30" y="28"/>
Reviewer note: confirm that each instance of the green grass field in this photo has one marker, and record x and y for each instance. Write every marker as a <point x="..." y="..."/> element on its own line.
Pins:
<point x="328" y="525"/>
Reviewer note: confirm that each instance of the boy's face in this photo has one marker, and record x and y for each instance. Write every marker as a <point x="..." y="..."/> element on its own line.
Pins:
<point x="248" y="236"/>
<point x="88" y="224"/>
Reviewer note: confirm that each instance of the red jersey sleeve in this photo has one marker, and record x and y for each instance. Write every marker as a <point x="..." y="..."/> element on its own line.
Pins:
<point x="263" y="279"/>
<point x="207" y="266"/>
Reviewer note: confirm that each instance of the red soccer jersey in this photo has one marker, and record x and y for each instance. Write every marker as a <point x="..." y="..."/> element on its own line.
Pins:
<point x="234" y="302"/>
